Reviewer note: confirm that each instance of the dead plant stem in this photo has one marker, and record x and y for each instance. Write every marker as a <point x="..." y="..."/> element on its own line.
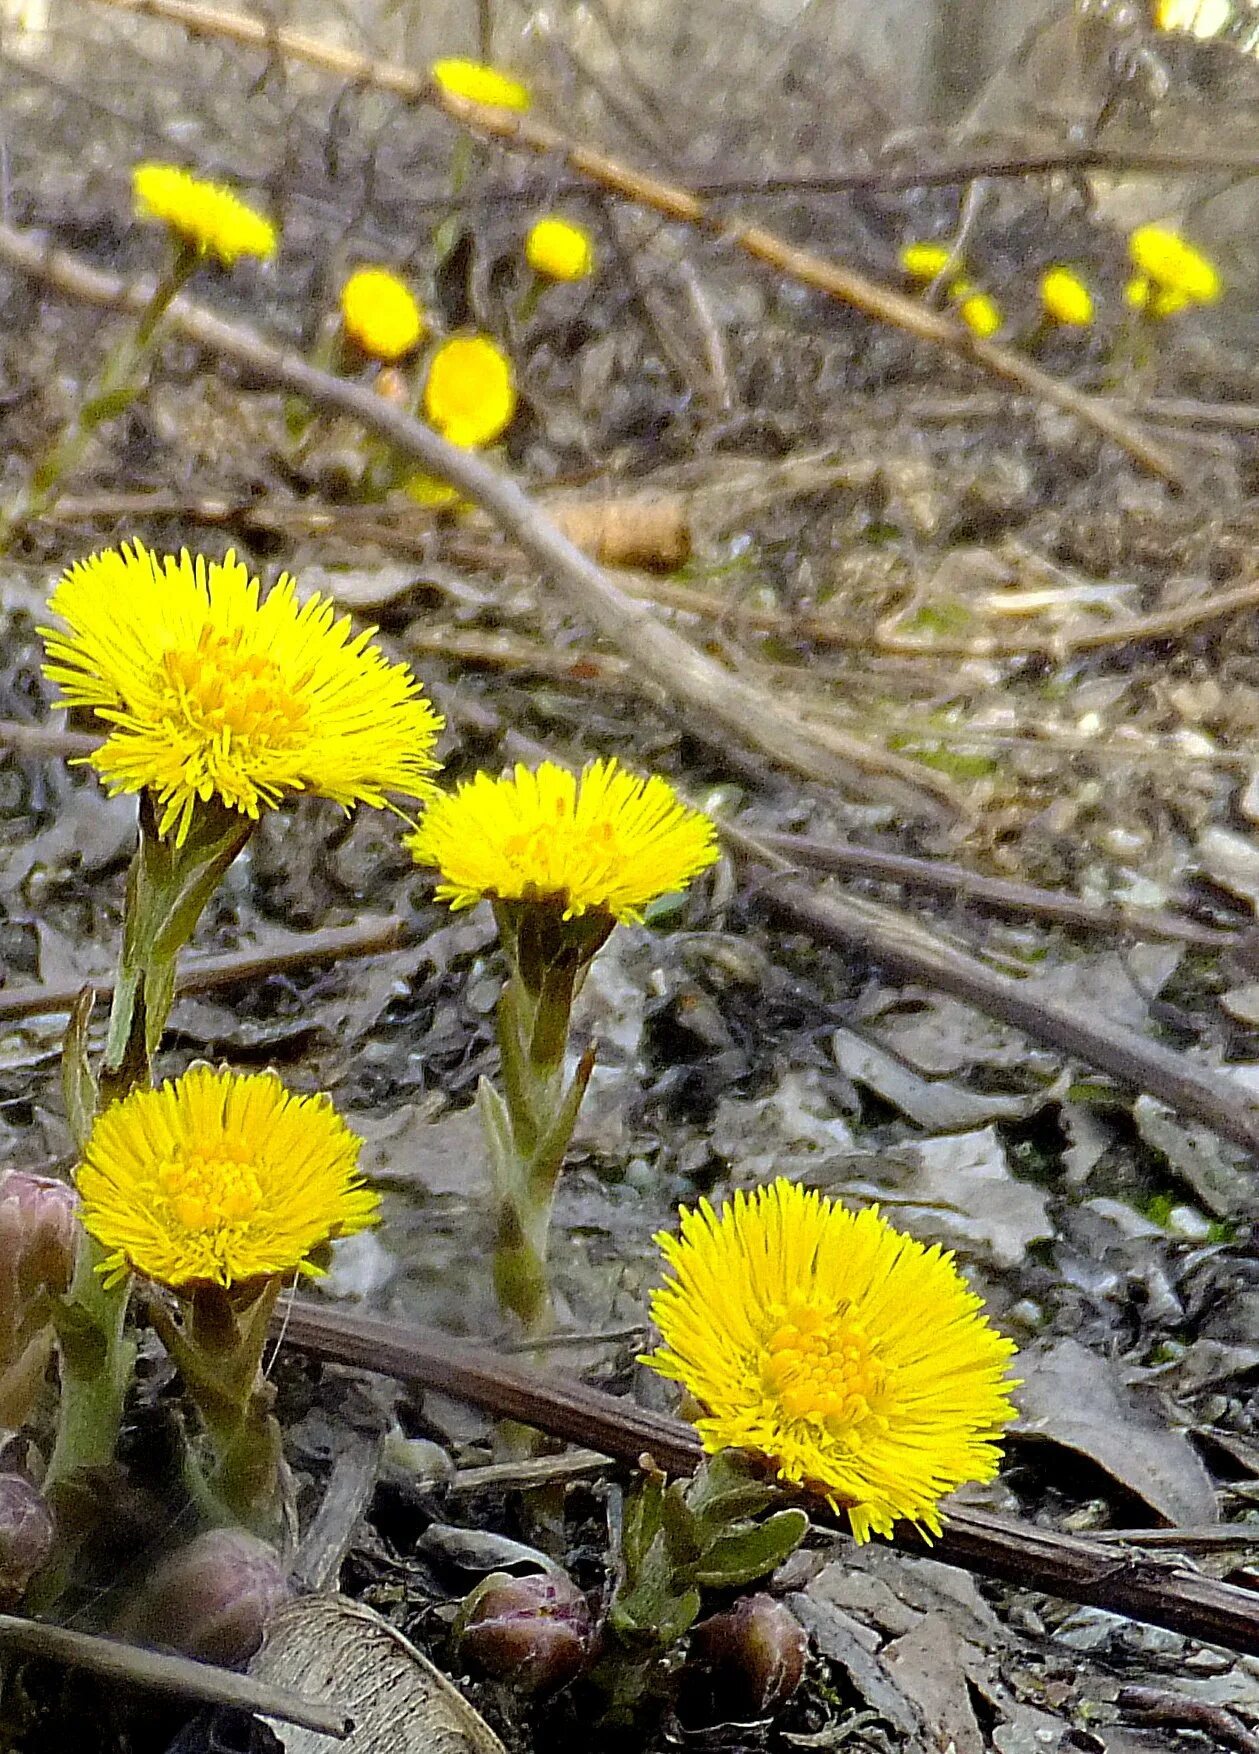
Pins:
<point x="1159" y="1591"/>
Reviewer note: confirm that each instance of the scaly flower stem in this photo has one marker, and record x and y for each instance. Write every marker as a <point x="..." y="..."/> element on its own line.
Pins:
<point x="530" y="1125"/>
<point x="168" y="886"/>
<point x="96" y="1356"/>
<point x="120" y="380"/>
<point x="96" y="1360"/>
<point x="218" y="1350"/>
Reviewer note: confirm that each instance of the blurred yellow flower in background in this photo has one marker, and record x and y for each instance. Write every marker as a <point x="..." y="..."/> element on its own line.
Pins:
<point x="925" y="261"/>
<point x="470" y="392"/>
<point x="207" y="217"/>
<point x="980" y="313"/>
<point x="1141" y="294"/>
<point x="1162" y="258"/>
<point x="851" y="1356"/>
<point x="559" y="249"/>
<point x="220" y="1177"/>
<point x="213" y="691"/>
<point x="380" y="313"/>
<point x="606" y="841"/>
<point x="480" y="84"/>
<point x="1066" y="298"/>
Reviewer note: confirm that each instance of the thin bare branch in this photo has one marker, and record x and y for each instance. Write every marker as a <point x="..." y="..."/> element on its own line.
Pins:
<point x="1162" y="1592"/>
<point x="201" y="974"/>
<point x="131" y="1665"/>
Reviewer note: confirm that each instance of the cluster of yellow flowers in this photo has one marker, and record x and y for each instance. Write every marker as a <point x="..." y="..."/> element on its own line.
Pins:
<point x="852" y="1357"/>
<point x="469" y="393"/>
<point x="977" y="309"/>
<point x="1170" y="275"/>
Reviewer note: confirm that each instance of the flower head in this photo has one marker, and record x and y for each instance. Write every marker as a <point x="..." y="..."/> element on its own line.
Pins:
<point x="853" y="1357"/>
<point x="220" y="1177"/>
<point x="1158" y="302"/>
<point x="1162" y="257"/>
<point x="605" y="841"/>
<point x="213" y="690"/>
<point x="925" y="261"/>
<point x="207" y="216"/>
<point x="1066" y="298"/>
<point x="380" y="313"/>
<point x="980" y="313"/>
<point x="470" y="395"/>
<point x="559" y="250"/>
<point x="480" y="84"/>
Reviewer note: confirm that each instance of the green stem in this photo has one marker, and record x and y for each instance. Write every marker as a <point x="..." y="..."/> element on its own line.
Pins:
<point x="120" y="380"/>
<point x="218" y="1352"/>
<point x="97" y="1355"/>
<point x="536" y="1117"/>
<point x="168" y="886"/>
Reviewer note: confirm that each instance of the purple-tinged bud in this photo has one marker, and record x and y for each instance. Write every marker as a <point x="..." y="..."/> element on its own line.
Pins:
<point x="746" y="1663"/>
<point x="532" y="1631"/>
<point x="26" y="1536"/>
<point x="39" y="1229"/>
<point x="211" y="1599"/>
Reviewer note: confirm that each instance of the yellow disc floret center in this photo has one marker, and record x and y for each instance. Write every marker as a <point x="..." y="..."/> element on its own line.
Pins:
<point x="220" y="691"/>
<point x="210" y="1190"/>
<point x="819" y="1365"/>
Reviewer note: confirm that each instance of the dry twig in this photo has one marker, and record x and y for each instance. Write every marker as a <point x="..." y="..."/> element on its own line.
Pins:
<point x="1162" y="1592"/>
<point x="201" y="974"/>
<point x="679" y="204"/>
<point x="130" y="1665"/>
<point x="909" y="950"/>
<point x="997" y="893"/>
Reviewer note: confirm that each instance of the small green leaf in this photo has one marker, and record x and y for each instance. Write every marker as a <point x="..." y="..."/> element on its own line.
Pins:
<point x="678" y="1618"/>
<point x="730" y="1486"/>
<point x="745" y="1554"/>
<point x="680" y="1528"/>
<point x="642" y="1522"/>
<point x="78" y="1084"/>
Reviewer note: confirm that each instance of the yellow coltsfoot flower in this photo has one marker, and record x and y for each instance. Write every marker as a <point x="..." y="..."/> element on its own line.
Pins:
<point x="380" y="313"/>
<point x="220" y="1178"/>
<point x="214" y="691"/>
<point x="559" y="249"/>
<point x="470" y="392"/>
<point x="1164" y="260"/>
<point x="603" y="842"/>
<point x="852" y="1357"/>
<point x="480" y="84"/>
<point x="1065" y="298"/>
<point x="980" y="312"/>
<point x="924" y="261"/>
<point x="206" y="216"/>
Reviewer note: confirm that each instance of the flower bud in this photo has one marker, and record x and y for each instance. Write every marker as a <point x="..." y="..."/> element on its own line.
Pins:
<point x="211" y="1599"/>
<point x="26" y="1536"/>
<point x="747" y="1663"/>
<point x="38" y="1230"/>
<point x="533" y="1631"/>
